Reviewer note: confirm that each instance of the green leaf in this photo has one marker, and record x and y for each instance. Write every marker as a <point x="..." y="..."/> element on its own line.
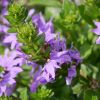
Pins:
<point x="77" y="88"/>
<point x="94" y="98"/>
<point x="86" y="50"/>
<point x="12" y="30"/>
<point x="23" y="93"/>
<point x="55" y="3"/>
<point x="85" y="70"/>
<point x="1" y="49"/>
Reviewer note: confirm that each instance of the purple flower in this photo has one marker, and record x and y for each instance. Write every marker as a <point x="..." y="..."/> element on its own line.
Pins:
<point x="12" y="39"/>
<point x="71" y="74"/>
<point x="4" y="29"/>
<point x="36" y="70"/>
<point x="48" y="36"/>
<point x="4" y="20"/>
<point x="98" y="40"/>
<point x="97" y="31"/>
<point x="34" y="86"/>
<point x="9" y="89"/>
<point x="4" y="4"/>
<point x="49" y="71"/>
<point x="72" y="71"/>
<point x="49" y="32"/>
<point x="61" y="57"/>
<point x="9" y="69"/>
<point x="43" y="27"/>
<point x="35" y="74"/>
<point x="39" y="21"/>
<point x="58" y="44"/>
<point x="42" y="76"/>
<point x="75" y="56"/>
<point x="31" y="12"/>
<point x="49" y="25"/>
<point x="4" y="11"/>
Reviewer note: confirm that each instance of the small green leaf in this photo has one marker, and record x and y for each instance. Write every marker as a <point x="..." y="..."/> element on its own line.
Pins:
<point x="77" y="88"/>
<point x="85" y="70"/>
<point x="86" y="50"/>
<point x="23" y="93"/>
<point x="12" y="30"/>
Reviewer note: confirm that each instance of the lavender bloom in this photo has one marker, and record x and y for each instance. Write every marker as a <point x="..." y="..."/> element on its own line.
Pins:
<point x="58" y="44"/>
<point x="97" y="31"/>
<point x="4" y="11"/>
<point x="39" y="21"/>
<point x="43" y="27"/>
<point x="35" y="73"/>
<point x="12" y="39"/>
<point x="3" y="29"/>
<point x="49" y="32"/>
<point x="4" y="7"/>
<point x="49" y="25"/>
<point x="61" y="57"/>
<point x="31" y="12"/>
<point x="34" y="86"/>
<point x="9" y="69"/>
<point x="4" y="21"/>
<point x="4" y="24"/>
<point x="42" y="76"/>
<point x="36" y="70"/>
<point x="71" y="74"/>
<point x="5" y="3"/>
<point x="75" y="56"/>
<point x="48" y="36"/>
<point x="98" y="40"/>
<point x="9" y="89"/>
<point x="61" y="54"/>
<point x="49" y="69"/>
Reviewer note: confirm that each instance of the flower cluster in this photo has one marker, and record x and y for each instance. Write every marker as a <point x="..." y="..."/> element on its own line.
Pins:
<point x="59" y="55"/>
<point x="10" y="62"/>
<point x="9" y="68"/>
